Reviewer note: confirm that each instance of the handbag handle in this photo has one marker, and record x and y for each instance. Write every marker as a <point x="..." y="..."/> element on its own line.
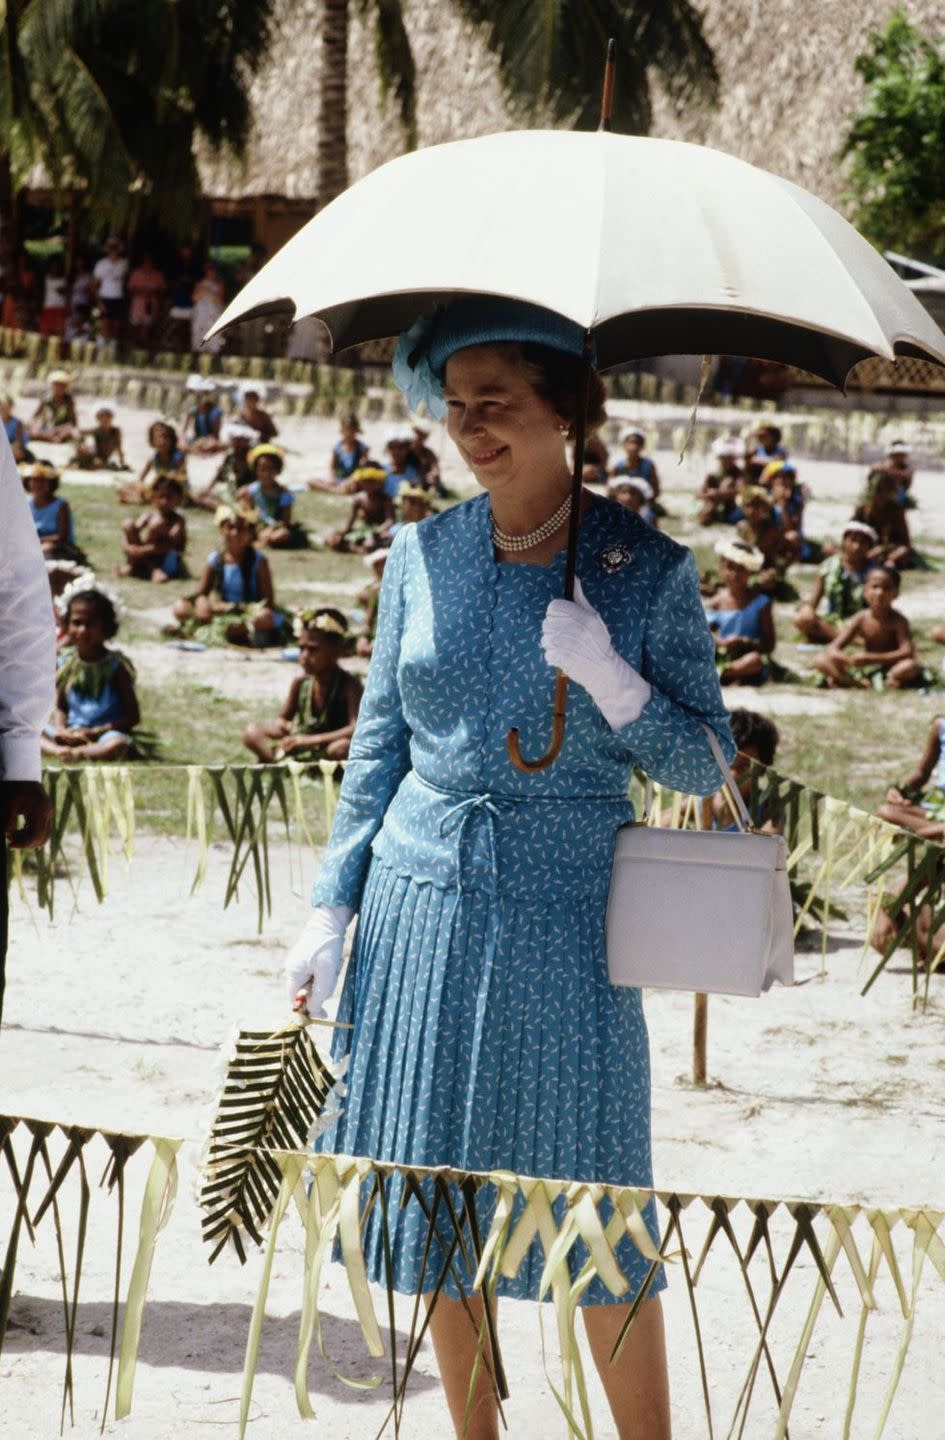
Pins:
<point x="742" y="813"/>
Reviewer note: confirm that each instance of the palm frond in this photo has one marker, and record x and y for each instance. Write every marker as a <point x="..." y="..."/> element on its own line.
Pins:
<point x="552" y="55"/>
<point x="275" y="1090"/>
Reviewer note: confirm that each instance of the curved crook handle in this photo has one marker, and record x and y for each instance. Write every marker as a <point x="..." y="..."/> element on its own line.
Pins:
<point x="559" y="707"/>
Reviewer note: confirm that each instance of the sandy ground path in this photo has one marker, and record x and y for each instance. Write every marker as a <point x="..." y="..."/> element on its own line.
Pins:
<point x="114" y="1017"/>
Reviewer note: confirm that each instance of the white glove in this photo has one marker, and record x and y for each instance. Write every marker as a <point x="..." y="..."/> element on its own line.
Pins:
<point x="315" y="958"/>
<point x="575" y="639"/>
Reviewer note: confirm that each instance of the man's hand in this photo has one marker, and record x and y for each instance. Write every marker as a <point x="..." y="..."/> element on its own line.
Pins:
<point x="26" y="813"/>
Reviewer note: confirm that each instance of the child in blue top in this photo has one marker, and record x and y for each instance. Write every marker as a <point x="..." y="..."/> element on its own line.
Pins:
<point x="96" y="705"/>
<point x="740" y="619"/>
<point x="400" y="467"/>
<point x="347" y="455"/>
<point x="634" y="462"/>
<point x="202" y="422"/>
<point x="51" y="514"/>
<point x="271" y="501"/>
<point x="907" y="805"/>
<point x="16" y="431"/>
<point x="235" y="601"/>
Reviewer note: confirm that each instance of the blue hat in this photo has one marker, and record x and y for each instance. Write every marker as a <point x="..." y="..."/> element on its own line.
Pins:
<point x="422" y="351"/>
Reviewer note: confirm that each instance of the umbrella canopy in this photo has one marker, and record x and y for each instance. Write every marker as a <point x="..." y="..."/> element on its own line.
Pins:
<point x="656" y="246"/>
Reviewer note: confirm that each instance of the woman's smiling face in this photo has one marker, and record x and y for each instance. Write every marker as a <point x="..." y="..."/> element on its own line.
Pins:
<point x="497" y="419"/>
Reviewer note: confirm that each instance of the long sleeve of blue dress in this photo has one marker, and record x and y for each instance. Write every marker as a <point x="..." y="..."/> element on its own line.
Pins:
<point x="380" y="752"/>
<point x="668" y="739"/>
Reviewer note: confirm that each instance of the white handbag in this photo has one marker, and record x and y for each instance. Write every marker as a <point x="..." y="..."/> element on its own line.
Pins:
<point x="703" y="910"/>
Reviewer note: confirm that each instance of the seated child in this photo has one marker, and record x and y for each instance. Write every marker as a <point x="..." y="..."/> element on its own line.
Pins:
<point x="272" y="501"/>
<point x="255" y="417"/>
<point x="52" y="515"/>
<point x="634" y="494"/>
<point x="907" y="806"/>
<point x="764" y="445"/>
<point x="882" y="653"/>
<point x="235" y="602"/>
<point x="101" y="447"/>
<point x="347" y="455"/>
<point x="166" y="458"/>
<point x="899" y="466"/>
<point x="55" y="418"/>
<point x="596" y="459"/>
<point x="719" y="494"/>
<point x="371" y="510"/>
<point x="879" y="509"/>
<point x="369" y="599"/>
<point x="840" y="583"/>
<point x="400" y="466"/>
<point x="96" y="706"/>
<point x="234" y="472"/>
<point x="318" y="718"/>
<point x="154" y="544"/>
<point x="761" y="530"/>
<point x="425" y="460"/>
<point x="61" y="573"/>
<point x="201" y="428"/>
<point x="756" y="738"/>
<point x="787" y="503"/>
<point x="740" y="619"/>
<point x="414" y="504"/>
<point x="888" y="931"/>
<point x="634" y="462"/>
<point x="16" y="431"/>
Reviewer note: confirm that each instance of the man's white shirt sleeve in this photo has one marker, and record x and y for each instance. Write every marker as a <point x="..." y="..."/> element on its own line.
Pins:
<point x="27" y="630"/>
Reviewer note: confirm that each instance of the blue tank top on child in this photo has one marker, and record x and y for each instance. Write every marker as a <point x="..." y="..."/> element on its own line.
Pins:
<point x="395" y="478"/>
<point x="345" y="461"/>
<point x="83" y="710"/>
<point x="46" y="518"/>
<point x="206" y="422"/>
<point x="11" y="426"/>
<point x="745" y="624"/>
<point x="642" y="470"/>
<point x="232" y="589"/>
<point x="271" y="506"/>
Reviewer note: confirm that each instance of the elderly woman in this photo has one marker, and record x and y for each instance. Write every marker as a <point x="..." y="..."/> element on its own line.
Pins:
<point x="485" y="1033"/>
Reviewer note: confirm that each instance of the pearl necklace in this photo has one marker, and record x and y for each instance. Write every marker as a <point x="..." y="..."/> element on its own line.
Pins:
<point x="517" y="543"/>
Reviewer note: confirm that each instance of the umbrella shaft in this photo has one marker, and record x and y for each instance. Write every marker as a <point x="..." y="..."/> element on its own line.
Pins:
<point x="580" y="437"/>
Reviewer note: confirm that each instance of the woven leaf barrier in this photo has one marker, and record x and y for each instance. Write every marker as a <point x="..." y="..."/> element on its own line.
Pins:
<point x="777" y="1248"/>
<point x="833" y="846"/>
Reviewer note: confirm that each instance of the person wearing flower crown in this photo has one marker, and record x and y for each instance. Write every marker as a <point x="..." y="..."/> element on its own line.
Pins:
<point x="484" y="1033"/>
<point x="318" y="717"/>
<point x="272" y="501"/>
<point x="96" y="705"/>
<point x="372" y="512"/>
<point x="235" y="601"/>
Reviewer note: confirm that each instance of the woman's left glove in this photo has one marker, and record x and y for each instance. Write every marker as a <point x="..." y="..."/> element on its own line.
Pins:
<point x="315" y="958"/>
<point x="575" y="639"/>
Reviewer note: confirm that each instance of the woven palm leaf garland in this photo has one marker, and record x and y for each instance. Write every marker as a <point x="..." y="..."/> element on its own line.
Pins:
<point x="816" y="1250"/>
<point x="275" y="1089"/>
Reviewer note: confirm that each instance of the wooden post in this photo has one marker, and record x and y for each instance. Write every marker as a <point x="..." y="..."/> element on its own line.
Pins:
<point x="700" y="1012"/>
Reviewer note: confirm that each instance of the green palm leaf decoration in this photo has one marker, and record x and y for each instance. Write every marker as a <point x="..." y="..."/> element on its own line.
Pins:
<point x="275" y="1090"/>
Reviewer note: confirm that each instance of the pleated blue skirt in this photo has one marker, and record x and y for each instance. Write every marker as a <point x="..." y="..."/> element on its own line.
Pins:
<point x="486" y="1035"/>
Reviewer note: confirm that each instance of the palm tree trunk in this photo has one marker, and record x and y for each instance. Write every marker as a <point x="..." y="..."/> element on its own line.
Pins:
<point x="9" y="226"/>
<point x="332" y="153"/>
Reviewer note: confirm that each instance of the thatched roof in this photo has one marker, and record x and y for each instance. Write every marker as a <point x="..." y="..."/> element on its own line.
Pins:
<point x="788" y="88"/>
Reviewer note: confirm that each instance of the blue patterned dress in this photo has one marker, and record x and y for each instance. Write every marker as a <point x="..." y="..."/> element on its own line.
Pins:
<point x="485" y="1031"/>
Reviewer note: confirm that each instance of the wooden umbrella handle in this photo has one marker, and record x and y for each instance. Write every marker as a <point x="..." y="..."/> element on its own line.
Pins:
<point x="558" y="721"/>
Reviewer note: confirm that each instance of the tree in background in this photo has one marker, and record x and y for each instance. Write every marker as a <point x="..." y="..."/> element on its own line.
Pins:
<point x="110" y="98"/>
<point x="551" y="56"/>
<point x="895" y="147"/>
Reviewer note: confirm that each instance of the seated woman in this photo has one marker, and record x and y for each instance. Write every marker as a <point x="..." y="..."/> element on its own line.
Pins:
<point x="235" y="602"/>
<point x="840" y="582"/>
<point x="16" y="431"/>
<point x="272" y="501"/>
<point x="96" y="705"/>
<point x="347" y="455"/>
<point x="879" y="508"/>
<point x="910" y="804"/>
<point x="101" y="447"/>
<point x="55" y="418"/>
<point x="882" y="654"/>
<point x="200" y="431"/>
<point x="372" y="511"/>
<point x="318" y="718"/>
<point x="154" y="544"/>
<point x="741" y="620"/>
<point x="52" y="515"/>
<point x="167" y="458"/>
<point x="234" y="472"/>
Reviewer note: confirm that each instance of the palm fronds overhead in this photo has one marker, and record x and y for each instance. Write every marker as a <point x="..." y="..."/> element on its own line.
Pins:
<point x="275" y="1089"/>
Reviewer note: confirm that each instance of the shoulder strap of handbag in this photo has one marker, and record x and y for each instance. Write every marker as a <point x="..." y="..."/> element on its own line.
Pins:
<point x="742" y="814"/>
